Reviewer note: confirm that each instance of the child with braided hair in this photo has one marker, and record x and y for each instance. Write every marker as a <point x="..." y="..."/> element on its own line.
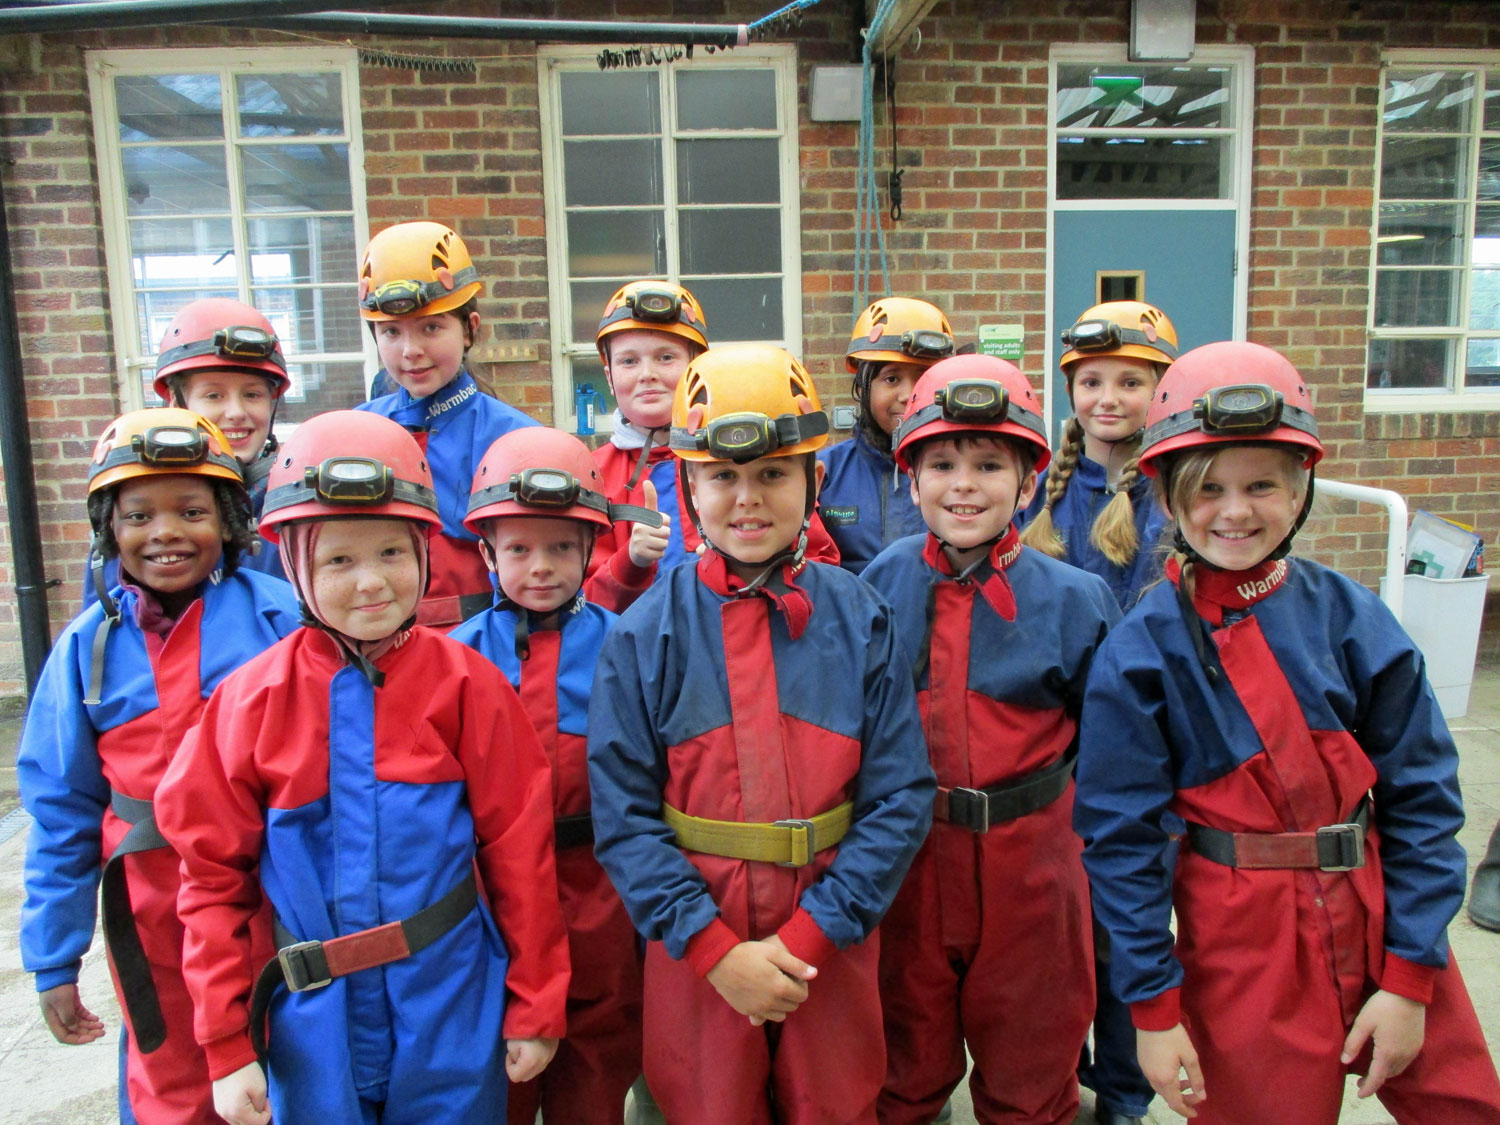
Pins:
<point x="1093" y="508"/>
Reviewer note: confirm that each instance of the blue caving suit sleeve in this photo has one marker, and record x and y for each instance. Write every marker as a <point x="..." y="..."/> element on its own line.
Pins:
<point x="63" y="787"/>
<point x="892" y="800"/>
<point x="668" y="901"/>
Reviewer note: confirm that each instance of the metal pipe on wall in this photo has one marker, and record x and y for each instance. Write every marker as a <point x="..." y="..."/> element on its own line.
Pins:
<point x="466" y="27"/>
<point x="20" y="481"/>
<point x="84" y="15"/>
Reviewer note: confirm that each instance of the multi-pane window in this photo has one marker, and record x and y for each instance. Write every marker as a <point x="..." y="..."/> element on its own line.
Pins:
<point x="230" y="174"/>
<point x="685" y="172"/>
<point x="1133" y="131"/>
<point x="1435" y="314"/>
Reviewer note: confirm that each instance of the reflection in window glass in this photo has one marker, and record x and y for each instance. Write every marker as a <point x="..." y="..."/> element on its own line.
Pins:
<point x="1129" y="96"/>
<point x="740" y="308"/>
<point x="1489" y="170"/>
<point x="610" y="104"/>
<point x="157" y="107"/>
<point x="613" y="173"/>
<point x="1417" y="234"/>
<point x="1409" y="364"/>
<point x="1492" y="101"/>
<point x="1432" y="102"/>
<point x="290" y="105"/>
<point x="318" y="387"/>
<point x="297" y="177"/>
<point x="1422" y="167"/>
<point x="1416" y="298"/>
<point x="1484" y="300"/>
<point x="321" y="319"/>
<point x="624" y="244"/>
<point x="728" y="171"/>
<point x="731" y="240"/>
<point x="1157" y="167"/>
<point x="726" y="99"/>
<point x="174" y="180"/>
<point x="1482" y="366"/>
<point x="588" y="299"/>
<point x="301" y="250"/>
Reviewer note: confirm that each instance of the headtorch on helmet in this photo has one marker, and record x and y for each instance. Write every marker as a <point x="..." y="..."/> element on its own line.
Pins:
<point x="403" y="297"/>
<point x="747" y="436"/>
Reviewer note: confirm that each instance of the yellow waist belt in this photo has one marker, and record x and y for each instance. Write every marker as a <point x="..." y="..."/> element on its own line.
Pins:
<point x="790" y="843"/>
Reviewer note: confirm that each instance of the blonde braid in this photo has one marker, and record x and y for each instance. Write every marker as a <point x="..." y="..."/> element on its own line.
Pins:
<point x="1042" y="533"/>
<point x="1114" y="530"/>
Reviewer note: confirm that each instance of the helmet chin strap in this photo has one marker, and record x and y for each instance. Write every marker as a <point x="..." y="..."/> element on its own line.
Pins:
<point x="640" y="462"/>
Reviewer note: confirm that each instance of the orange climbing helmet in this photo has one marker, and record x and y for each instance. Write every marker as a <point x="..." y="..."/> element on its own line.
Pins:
<point x="656" y="306"/>
<point x="740" y="402"/>
<point x="900" y="330"/>
<point x="415" y="269"/>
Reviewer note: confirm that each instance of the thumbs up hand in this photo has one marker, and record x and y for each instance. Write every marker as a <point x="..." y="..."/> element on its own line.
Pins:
<point x="648" y="544"/>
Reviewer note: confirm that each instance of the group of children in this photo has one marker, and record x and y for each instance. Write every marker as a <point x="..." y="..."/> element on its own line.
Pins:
<point x="381" y="841"/>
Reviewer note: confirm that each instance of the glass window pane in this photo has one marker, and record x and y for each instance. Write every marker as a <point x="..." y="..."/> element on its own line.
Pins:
<point x="609" y="104"/>
<point x="740" y="308"/>
<point x="1416" y="298"/>
<point x="729" y="171"/>
<point x="588" y="299"/>
<point x="154" y="310"/>
<point x="1482" y="368"/>
<point x="624" y="173"/>
<point x="155" y="107"/>
<point x="1127" y="96"/>
<point x="297" y="178"/>
<point x="731" y="240"/>
<point x="1436" y="101"/>
<point x="1422" y="167"/>
<point x="317" y="387"/>
<point x="176" y="252"/>
<point x="1492" y="101"/>
<point x="175" y="180"/>
<point x="1414" y="234"/>
<point x="726" y="99"/>
<point x="290" y="105"/>
<point x="314" y="319"/>
<point x="1489" y="170"/>
<point x="1410" y="364"/>
<point x="1484" y="299"/>
<point x="1158" y="167"/>
<point x="616" y="244"/>
<point x="301" y="251"/>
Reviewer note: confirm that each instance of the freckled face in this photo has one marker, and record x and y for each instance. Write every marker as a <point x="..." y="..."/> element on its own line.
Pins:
<point x="365" y="576"/>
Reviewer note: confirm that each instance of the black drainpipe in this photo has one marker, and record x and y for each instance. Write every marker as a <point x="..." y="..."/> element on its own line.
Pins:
<point x="20" y="483"/>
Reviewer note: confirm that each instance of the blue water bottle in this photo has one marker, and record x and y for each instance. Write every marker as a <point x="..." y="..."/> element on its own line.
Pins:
<point x="586" y="405"/>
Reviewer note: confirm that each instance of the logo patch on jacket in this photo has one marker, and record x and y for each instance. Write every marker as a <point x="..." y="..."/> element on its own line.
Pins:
<point x="839" y="517"/>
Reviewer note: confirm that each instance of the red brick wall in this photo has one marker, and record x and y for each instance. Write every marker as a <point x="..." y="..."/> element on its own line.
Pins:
<point x="971" y="114"/>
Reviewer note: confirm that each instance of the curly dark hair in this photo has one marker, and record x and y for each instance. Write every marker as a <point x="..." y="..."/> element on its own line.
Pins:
<point x="233" y="506"/>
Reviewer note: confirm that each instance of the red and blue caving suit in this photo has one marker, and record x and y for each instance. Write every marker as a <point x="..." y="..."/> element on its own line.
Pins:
<point x="1074" y="514"/>
<point x="865" y="501"/>
<point x="613" y="580"/>
<point x="744" y="709"/>
<point x="989" y="942"/>
<point x="1319" y="699"/>
<point x="75" y="758"/>
<point x="601" y="1056"/>
<point x="455" y="428"/>
<point x="348" y="806"/>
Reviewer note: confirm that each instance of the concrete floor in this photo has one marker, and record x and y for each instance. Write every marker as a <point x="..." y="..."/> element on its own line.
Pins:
<point x="45" y="1082"/>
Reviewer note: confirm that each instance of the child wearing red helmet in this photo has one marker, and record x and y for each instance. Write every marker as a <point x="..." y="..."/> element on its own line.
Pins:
<point x="121" y="687"/>
<point x="755" y="813"/>
<point x="419" y="293"/>
<point x="1280" y="710"/>
<point x="537" y="507"/>
<point x="355" y="779"/>
<point x="988" y="945"/>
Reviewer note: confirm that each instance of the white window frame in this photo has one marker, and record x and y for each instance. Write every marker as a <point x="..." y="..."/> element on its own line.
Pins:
<point x="782" y="61"/>
<point x="133" y="356"/>
<point x="1424" y="400"/>
<point x="1240" y="59"/>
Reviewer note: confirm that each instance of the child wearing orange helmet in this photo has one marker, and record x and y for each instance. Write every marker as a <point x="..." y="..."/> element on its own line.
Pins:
<point x="537" y="508"/>
<point x="356" y="779"/>
<point x="988" y="944"/>
<point x="419" y="292"/>
<point x="755" y="814"/>
<point x="1279" y="709"/>
<point x="121" y="687"/>
<point x="649" y="333"/>
<point x="865" y="501"/>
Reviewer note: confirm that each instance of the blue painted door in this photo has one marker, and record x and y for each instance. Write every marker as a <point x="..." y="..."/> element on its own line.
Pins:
<point x="1187" y="257"/>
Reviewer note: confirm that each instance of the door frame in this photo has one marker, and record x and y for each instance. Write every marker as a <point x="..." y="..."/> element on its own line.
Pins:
<point x="1241" y="61"/>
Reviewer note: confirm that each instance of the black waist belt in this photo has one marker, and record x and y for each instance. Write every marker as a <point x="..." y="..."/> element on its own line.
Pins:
<point x="120" y="934"/>
<point x="573" y="831"/>
<point x="305" y="965"/>
<point x="1335" y="847"/>
<point x="979" y="809"/>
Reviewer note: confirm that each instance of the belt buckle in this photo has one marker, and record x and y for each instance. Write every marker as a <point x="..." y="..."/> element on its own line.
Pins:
<point x="294" y="967"/>
<point x="972" y="811"/>
<point x="801" y="832"/>
<point x="1349" y="841"/>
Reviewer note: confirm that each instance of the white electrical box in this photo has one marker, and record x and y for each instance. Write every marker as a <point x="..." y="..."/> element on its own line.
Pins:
<point x="835" y="93"/>
<point x="1163" y="30"/>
